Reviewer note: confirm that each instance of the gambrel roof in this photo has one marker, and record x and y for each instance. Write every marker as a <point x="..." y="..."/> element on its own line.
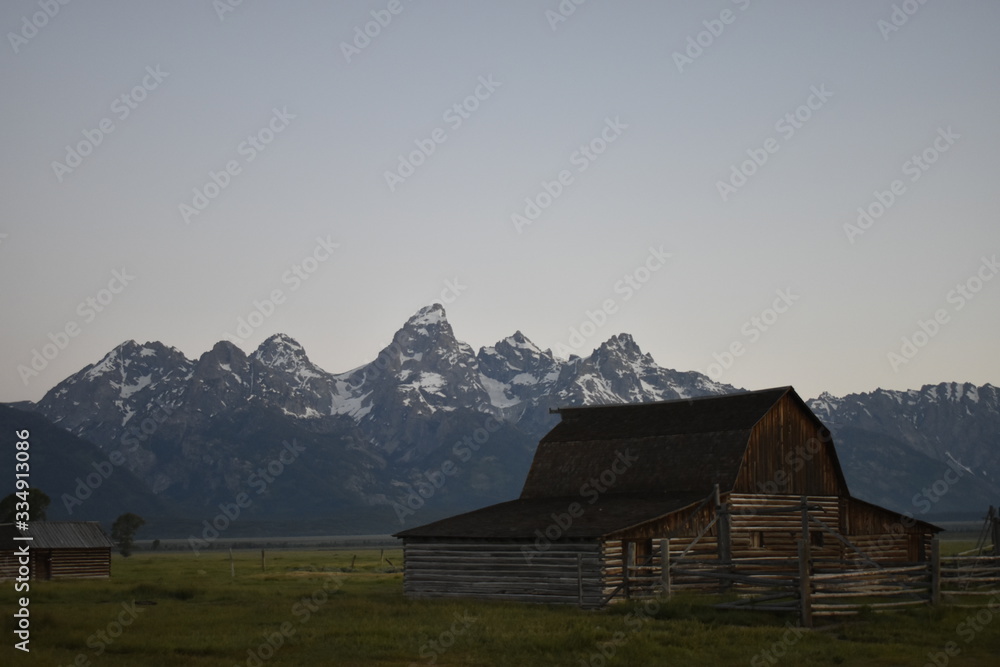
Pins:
<point x="679" y="451"/>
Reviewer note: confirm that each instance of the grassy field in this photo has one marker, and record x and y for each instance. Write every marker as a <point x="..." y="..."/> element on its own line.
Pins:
<point x="311" y="608"/>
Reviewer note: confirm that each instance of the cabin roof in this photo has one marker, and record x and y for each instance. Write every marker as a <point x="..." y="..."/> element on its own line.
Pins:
<point x="56" y="535"/>
<point x="521" y="518"/>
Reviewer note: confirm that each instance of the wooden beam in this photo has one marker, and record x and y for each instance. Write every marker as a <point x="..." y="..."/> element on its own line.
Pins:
<point x="935" y="571"/>
<point x="805" y="585"/>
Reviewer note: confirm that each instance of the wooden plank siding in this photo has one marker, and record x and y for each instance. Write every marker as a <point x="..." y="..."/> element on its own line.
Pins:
<point x="502" y="571"/>
<point x="790" y="452"/>
<point x="79" y="563"/>
<point x="60" y="564"/>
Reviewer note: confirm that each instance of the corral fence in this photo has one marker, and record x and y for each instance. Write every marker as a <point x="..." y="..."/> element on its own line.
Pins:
<point x="812" y="586"/>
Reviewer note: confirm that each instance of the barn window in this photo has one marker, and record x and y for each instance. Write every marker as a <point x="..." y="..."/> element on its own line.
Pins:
<point x="816" y="538"/>
<point x="756" y="539"/>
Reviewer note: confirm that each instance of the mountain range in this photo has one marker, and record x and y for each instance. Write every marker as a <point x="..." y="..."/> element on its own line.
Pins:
<point x="430" y="427"/>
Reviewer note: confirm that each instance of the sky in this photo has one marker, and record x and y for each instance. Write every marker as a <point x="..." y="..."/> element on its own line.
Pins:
<point x="771" y="193"/>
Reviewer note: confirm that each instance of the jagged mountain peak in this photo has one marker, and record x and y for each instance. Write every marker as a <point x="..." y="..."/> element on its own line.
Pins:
<point x="428" y="316"/>
<point x="281" y="352"/>
<point x="622" y="352"/>
<point x="622" y="344"/>
<point x="519" y="340"/>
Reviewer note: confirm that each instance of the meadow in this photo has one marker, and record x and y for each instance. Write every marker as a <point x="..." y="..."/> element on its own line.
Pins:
<point x="314" y="608"/>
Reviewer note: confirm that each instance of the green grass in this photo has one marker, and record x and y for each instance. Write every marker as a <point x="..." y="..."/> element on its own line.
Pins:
<point x="332" y="616"/>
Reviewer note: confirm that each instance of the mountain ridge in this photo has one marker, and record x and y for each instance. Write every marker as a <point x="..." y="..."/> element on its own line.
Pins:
<point x="374" y="439"/>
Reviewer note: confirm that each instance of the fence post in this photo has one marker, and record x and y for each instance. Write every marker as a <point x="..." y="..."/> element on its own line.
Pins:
<point x="996" y="536"/>
<point x="805" y="585"/>
<point x="935" y="571"/>
<point x="724" y="539"/>
<point x="627" y="558"/>
<point x="579" y="579"/>
<point x="665" y="565"/>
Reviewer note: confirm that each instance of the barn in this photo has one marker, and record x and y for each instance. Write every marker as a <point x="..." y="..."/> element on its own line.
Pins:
<point x="611" y="487"/>
<point x="57" y="550"/>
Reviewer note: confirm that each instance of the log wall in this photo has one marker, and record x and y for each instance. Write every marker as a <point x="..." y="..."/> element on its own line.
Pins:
<point x="513" y="570"/>
<point x="79" y="563"/>
<point x="60" y="564"/>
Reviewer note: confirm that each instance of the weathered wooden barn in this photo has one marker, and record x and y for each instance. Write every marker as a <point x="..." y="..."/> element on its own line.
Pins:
<point x="57" y="550"/>
<point x="728" y="477"/>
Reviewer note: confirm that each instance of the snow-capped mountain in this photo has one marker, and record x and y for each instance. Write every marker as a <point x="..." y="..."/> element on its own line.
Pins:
<point x="195" y="431"/>
<point x="934" y="449"/>
<point x="370" y="444"/>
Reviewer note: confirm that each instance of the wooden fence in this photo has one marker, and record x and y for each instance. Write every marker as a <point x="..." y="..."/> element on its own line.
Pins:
<point x="819" y="589"/>
<point x="813" y="584"/>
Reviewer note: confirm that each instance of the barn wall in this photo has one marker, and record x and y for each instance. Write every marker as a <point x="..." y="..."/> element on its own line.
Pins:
<point x="512" y="570"/>
<point x="8" y="565"/>
<point x="787" y="454"/>
<point x="777" y="533"/>
<point x="60" y="564"/>
<point x="79" y="563"/>
<point x="885" y="535"/>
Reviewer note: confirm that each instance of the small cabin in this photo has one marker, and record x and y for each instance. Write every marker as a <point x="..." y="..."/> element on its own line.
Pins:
<point x="56" y="550"/>
<point x="610" y="485"/>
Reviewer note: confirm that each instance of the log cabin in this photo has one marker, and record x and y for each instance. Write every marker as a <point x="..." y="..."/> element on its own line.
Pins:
<point x="57" y="550"/>
<point x="724" y="477"/>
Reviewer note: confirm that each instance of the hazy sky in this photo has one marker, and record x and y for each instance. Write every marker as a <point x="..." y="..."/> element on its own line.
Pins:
<point x="674" y="169"/>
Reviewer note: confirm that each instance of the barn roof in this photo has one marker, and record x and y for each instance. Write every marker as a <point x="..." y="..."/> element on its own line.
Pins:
<point x="638" y="462"/>
<point x="681" y="446"/>
<point x="56" y="535"/>
<point x="703" y="414"/>
<point x="518" y="519"/>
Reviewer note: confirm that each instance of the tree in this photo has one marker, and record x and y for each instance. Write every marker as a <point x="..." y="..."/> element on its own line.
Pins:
<point x="37" y="501"/>
<point x="123" y="531"/>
